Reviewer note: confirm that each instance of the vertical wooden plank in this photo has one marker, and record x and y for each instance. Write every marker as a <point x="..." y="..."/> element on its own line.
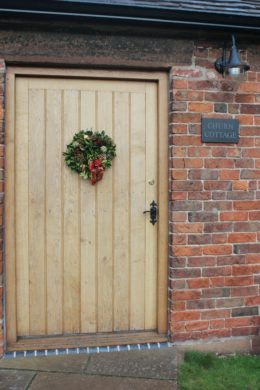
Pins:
<point x="10" y="212"/>
<point x="36" y="168"/>
<point x="163" y="203"/>
<point x="105" y="225"/>
<point x="151" y="194"/>
<point x="121" y="212"/>
<point x="88" y="228"/>
<point x="137" y="206"/>
<point x="22" y="204"/>
<point x="71" y="283"/>
<point x="53" y="212"/>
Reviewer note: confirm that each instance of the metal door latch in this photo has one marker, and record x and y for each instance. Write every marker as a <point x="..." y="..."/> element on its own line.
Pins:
<point x="153" y="212"/>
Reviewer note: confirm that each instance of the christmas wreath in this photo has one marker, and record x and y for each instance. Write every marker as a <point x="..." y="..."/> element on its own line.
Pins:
<point x="90" y="154"/>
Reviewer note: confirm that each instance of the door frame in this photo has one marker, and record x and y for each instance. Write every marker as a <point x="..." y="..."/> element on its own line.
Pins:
<point x="13" y="343"/>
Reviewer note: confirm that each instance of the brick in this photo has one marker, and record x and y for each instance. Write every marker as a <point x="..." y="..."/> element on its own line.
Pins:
<point x="198" y="283"/>
<point x="177" y="327"/>
<point x="204" y="195"/>
<point x="187" y="185"/>
<point x="249" y="131"/>
<point x="220" y="107"/>
<point x="217" y="205"/>
<point x="234" y="108"/>
<point x="223" y="97"/>
<point x="246" y="248"/>
<point x="245" y="119"/>
<point x="217" y="281"/>
<point x="187" y="227"/>
<point x="180" y="84"/>
<point x="197" y="325"/>
<point x="217" y="185"/>
<point x="186" y="206"/>
<point x="239" y="195"/>
<point x="247" y="205"/>
<point x="202" y="261"/>
<point x="244" y="291"/>
<point x="228" y="174"/>
<point x="180" y="95"/>
<point x="245" y="311"/>
<point x="219" y="238"/>
<point x="216" y="271"/>
<point x="199" y="239"/>
<point x="252" y="301"/>
<point x="252" y="258"/>
<point x="178" y="195"/>
<point x="219" y="163"/>
<point x="239" y="280"/>
<point x="203" y="174"/>
<point x="203" y="85"/>
<point x="233" y="216"/>
<point x="202" y="216"/>
<point x="213" y="314"/>
<point x="244" y="98"/>
<point x="241" y="321"/>
<point x="201" y="304"/>
<point x="217" y="250"/>
<point x="217" y="227"/>
<point x="230" y="260"/>
<point x="179" y="240"/>
<point x="200" y="107"/>
<point x="178" y="216"/>
<point x="196" y="96"/>
<point x="187" y="117"/>
<point x="240" y="185"/>
<point x="252" y="330"/>
<point x="250" y="174"/>
<point x="187" y="251"/>
<point x="244" y="163"/>
<point x="242" y="237"/>
<point x="186" y="316"/>
<point x="193" y="163"/>
<point x="217" y="324"/>
<point x="198" y="152"/>
<point x="179" y="174"/>
<point x="229" y="302"/>
<point x="179" y="151"/>
<point x="246" y="269"/>
<point x="252" y="153"/>
<point x="187" y="273"/>
<point x="250" y="109"/>
<point x="183" y="295"/>
<point x="215" y="292"/>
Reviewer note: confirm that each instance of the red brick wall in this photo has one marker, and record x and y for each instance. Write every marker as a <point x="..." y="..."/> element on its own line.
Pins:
<point x="2" y="85"/>
<point x="214" y="204"/>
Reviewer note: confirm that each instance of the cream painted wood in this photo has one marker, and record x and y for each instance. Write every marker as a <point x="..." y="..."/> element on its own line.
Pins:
<point x="87" y="259"/>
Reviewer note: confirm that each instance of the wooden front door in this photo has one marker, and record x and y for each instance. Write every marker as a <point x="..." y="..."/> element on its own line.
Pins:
<point x="83" y="262"/>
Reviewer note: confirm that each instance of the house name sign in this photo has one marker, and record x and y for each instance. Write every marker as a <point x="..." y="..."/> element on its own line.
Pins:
<point x="220" y="130"/>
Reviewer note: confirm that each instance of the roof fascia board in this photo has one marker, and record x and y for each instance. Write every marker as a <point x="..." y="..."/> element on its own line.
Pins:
<point x="143" y="15"/>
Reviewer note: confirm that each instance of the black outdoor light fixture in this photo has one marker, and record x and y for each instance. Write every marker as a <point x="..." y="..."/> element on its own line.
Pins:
<point x="233" y="66"/>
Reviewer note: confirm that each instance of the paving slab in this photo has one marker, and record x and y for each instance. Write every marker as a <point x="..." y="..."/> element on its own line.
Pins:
<point x="157" y="363"/>
<point x="69" y="363"/>
<point x="57" y="381"/>
<point x="15" y="380"/>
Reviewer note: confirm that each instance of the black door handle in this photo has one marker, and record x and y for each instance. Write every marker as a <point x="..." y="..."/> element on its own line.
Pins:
<point x="153" y="212"/>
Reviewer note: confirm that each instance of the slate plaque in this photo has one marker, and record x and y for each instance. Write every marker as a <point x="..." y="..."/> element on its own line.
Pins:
<point x="220" y="130"/>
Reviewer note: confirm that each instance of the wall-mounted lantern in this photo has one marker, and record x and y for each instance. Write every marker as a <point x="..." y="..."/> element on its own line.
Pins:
<point x="233" y="66"/>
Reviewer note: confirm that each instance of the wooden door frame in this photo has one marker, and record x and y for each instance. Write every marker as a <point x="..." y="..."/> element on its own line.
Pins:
<point x="161" y="78"/>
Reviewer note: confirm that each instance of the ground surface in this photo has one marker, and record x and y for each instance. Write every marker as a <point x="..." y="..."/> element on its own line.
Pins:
<point x="133" y="370"/>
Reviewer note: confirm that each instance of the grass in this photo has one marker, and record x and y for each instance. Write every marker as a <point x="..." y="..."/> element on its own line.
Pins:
<point x="205" y="371"/>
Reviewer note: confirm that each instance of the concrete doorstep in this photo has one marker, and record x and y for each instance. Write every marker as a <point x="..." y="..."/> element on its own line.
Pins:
<point x="132" y="370"/>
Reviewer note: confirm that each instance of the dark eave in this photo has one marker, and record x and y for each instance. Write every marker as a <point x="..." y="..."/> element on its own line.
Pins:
<point x="139" y="12"/>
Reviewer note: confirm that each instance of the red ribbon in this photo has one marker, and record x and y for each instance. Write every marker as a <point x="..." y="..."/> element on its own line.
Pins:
<point x="96" y="170"/>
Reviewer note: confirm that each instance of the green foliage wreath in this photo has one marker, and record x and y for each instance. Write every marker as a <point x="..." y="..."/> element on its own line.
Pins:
<point x="90" y="154"/>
